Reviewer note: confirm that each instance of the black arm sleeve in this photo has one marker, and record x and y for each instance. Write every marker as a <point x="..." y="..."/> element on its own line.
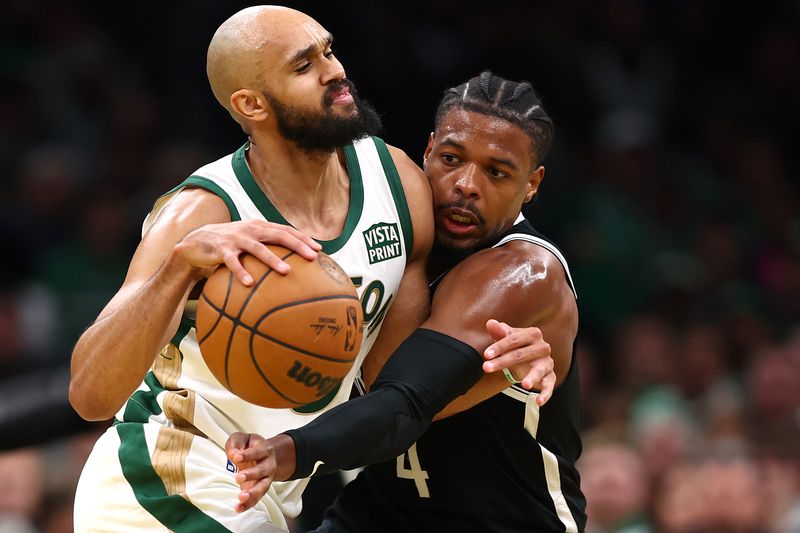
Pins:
<point x="427" y="372"/>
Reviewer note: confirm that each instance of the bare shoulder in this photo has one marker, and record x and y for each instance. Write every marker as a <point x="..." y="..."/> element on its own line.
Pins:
<point x="173" y="217"/>
<point x="188" y="209"/>
<point x="519" y="263"/>
<point x="531" y="265"/>
<point x="523" y="276"/>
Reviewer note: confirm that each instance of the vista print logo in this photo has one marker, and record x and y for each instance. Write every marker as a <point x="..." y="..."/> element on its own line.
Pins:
<point x="383" y="242"/>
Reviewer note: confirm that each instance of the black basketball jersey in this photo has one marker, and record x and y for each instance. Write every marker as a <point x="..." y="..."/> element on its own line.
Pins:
<point x="505" y="465"/>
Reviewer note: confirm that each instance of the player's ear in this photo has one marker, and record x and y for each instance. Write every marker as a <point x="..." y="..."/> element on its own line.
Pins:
<point x="427" y="151"/>
<point x="534" y="180"/>
<point x="250" y="104"/>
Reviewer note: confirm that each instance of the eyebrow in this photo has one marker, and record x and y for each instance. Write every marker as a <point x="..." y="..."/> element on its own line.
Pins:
<point x="503" y="161"/>
<point x="305" y="52"/>
<point x="496" y="160"/>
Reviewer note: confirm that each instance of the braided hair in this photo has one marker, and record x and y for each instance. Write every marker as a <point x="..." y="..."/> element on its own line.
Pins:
<point x="515" y="102"/>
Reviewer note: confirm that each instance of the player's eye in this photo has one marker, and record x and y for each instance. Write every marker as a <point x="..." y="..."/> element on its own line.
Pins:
<point x="329" y="53"/>
<point x="304" y="67"/>
<point x="450" y="159"/>
<point x="497" y="173"/>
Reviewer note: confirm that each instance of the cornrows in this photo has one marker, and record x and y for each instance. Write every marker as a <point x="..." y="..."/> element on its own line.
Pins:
<point x="515" y="102"/>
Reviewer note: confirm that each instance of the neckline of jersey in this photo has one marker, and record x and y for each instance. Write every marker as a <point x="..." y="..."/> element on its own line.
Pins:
<point x="271" y="213"/>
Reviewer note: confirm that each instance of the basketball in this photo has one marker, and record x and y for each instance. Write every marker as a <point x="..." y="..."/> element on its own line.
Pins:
<point x="286" y="341"/>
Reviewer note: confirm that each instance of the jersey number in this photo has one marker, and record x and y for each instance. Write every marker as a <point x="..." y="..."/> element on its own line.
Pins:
<point x="371" y="300"/>
<point x="414" y="471"/>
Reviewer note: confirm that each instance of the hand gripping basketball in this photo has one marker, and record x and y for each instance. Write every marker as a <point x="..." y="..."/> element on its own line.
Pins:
<point x="286" y="341"/>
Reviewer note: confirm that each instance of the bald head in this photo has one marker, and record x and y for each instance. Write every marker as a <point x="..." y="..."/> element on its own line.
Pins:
<point x="247" y="44"/>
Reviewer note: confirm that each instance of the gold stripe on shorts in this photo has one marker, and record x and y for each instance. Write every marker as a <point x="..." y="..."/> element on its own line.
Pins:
<point x="169" y="458"/>
<point x="178" y="406"/>
<point x="167" y="367"/>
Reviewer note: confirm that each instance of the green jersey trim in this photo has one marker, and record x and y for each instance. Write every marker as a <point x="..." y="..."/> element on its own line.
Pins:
<point x="174" y="511"/>
<point x="398" y="195"/>
<point x="142" y="404"/>
<point x="269" y="211"/>
<point x="207" y="184"/>
<point x="183" y="330"/>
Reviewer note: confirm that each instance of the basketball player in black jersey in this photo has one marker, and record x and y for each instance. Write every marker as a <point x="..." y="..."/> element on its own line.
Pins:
<point x="507" y="463"/>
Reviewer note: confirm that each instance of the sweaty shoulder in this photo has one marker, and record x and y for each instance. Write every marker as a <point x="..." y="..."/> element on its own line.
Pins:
<point x="517" y="268"/>
<point x="519" y="283"/>
<point x="531" y="271"/>
<point x="526" y="264"/>
<point x="418" y="196"/>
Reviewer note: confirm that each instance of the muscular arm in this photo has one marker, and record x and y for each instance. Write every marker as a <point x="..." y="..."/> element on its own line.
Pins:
<point x="188" y="241"/>
<point x="535" y="293"/>
<point x="519" y="283"/>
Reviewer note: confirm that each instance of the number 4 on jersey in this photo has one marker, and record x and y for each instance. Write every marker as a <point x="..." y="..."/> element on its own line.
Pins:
<point x="414" y="471"/>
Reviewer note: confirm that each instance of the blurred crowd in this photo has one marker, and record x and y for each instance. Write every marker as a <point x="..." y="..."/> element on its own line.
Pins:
<point x="672" y="189"/>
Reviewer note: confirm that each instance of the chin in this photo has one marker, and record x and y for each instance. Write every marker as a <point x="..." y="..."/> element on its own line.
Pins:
<point x="350" y="110"/>
<point x="454" y="244"/>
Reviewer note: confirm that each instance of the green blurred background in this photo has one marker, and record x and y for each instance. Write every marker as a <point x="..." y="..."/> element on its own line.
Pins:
<point x="672" y="188"/>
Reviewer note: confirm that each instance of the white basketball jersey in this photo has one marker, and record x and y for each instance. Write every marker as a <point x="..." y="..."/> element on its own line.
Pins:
<point x="373" y="249"/>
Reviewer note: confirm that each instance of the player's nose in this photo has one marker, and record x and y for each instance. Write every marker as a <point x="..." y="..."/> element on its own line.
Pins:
<point x="466" y="181"/>
<point x="332" y="71"/>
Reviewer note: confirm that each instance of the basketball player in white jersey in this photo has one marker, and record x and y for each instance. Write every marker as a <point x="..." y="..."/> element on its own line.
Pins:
<point x="310" y="163"/>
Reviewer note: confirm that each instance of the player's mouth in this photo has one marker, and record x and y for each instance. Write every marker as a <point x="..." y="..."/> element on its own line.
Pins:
<point x="459" y="221"/>
<point x="342" y="96"/>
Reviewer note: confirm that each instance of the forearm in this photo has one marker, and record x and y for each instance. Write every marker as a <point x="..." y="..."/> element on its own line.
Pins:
<point x="372" y="429"/>
<point x="427" y="372"/>
<point x="112" y="356"/>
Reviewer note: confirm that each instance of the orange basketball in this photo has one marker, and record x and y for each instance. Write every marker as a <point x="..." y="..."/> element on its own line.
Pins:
<point x="286" y="341"/>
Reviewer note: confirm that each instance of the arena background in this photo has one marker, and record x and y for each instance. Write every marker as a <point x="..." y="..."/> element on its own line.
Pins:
<point x="672" y="188"/>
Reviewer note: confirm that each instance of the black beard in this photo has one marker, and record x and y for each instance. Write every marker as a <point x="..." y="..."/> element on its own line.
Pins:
<point x="325" y="132"/>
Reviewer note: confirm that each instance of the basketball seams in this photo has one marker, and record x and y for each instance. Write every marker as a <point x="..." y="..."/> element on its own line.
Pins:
<point x="233" y="330"/>
<point x="237" y="321"/>
<point x="211" y="304"/>
<point x="220" y="310"/>
<point x="307" y="312"/>
<point x="295" y="348"/>
<point x="255" y="331"/>
<point x="252" y="291"/>
<point x="294" y="303"/>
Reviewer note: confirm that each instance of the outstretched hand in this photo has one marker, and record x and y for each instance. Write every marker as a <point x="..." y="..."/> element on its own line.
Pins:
<point x="523" y="351"/>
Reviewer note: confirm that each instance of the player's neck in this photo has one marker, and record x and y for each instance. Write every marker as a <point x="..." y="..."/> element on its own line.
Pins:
<point x="311" y="191"/>
<point x="280" y="162"/>
<point x="442" y="259"/>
